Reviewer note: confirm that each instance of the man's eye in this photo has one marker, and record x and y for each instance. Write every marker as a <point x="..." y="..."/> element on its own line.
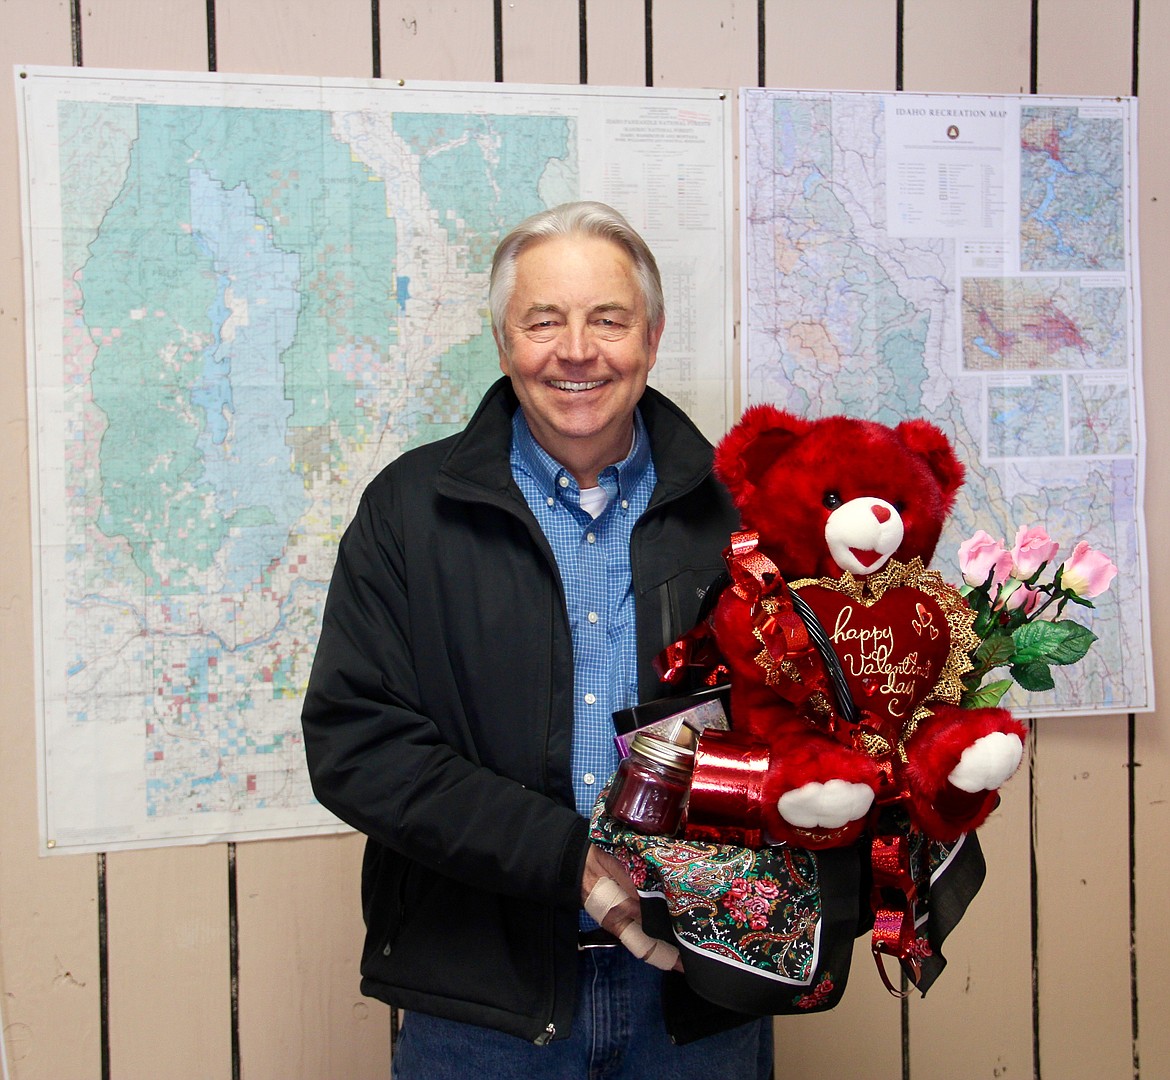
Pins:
<point x="831" y="500"/>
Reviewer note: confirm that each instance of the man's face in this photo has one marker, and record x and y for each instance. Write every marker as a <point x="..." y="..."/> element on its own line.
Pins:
<point x="577" y="348"/>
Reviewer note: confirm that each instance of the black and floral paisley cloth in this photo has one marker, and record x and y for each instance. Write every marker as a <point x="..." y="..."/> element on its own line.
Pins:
<point x="770" y="931"/>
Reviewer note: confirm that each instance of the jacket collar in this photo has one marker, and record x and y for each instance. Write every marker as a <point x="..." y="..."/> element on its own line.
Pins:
<point x="477" y="465"/>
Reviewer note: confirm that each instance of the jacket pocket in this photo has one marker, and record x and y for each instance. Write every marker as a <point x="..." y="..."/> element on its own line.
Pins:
<point x="682" y="599"/>
<point x="386" y="881"/>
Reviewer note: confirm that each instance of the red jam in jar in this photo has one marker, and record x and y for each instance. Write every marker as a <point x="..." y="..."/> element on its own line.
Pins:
<point x="649" y="791"/>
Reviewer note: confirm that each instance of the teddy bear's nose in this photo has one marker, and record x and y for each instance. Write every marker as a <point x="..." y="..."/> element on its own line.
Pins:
<point x="881" y="513"/>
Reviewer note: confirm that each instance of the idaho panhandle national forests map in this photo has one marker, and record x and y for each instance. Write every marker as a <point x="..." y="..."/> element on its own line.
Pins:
<point x="246" y="297"/>
<point x="972" y="260"/>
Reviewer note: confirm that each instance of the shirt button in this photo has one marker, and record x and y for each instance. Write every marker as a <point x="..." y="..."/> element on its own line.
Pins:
<point x="563" y="481"/>
<point x="591" y="538"/>
<point x="625" y="504"/>
<point x="590" y="699"/>
<point x="550" y="500"/>
<point x="589" y="778"/>
<point x="593" y="616"/>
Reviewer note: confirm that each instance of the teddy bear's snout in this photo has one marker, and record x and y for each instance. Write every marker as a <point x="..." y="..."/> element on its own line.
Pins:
<point x="863" y="533"/>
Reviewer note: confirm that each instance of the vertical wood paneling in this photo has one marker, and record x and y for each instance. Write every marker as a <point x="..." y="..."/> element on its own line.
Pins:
<point x="170" y="986"/>
<point x="541" y="41"/>
<point x="705" y="43"/>
<point x="954" y="46"/>
<point x="866" y="1027"/>
<point x="861" y="1037"/>
<point x="1082" y="867"/>
<point x="169" y="979"/>
<point x="846" y="45"/>
<point x="300" y="911"/>
<point x="1072" y="59"/>
<point x="49" y="964"/>
<point x="1081" y="810"/>
<point x="295" y="37"/>
<point x="432" y="40"/>
<point x="1152" y="732"/>
<point x="988" y="978"/>
<point x="616" y="38"/>
<point x="145" y="33"/>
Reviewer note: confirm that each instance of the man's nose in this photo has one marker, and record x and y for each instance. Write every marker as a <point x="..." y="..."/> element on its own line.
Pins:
<point x="578" y="342"/>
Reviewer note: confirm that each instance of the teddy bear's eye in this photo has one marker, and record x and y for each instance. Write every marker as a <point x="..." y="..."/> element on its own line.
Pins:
<point x="831" y="500"/>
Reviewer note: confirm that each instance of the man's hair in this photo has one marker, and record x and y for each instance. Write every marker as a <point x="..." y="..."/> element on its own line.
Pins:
<point x="573" y="219"/>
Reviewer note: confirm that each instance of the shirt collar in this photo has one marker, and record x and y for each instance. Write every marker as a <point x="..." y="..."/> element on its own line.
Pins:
<point x="550" y="474"/>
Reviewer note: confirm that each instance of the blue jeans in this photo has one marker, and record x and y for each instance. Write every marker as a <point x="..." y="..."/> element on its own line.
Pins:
<point x="618" y="1034"/>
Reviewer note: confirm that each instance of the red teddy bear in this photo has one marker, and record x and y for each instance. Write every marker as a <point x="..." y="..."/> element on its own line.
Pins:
<point x="841" y="517"/>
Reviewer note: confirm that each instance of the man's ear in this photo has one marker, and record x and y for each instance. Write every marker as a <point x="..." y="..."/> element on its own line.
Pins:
<point x="502" y="351"/>
<point x="653" y="337"/>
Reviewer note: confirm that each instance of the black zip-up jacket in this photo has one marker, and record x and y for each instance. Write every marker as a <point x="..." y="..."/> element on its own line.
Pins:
<point x="438" y="719"/>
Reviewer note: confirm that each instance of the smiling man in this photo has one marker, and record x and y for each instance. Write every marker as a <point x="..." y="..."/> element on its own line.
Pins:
<point x="497" y="597"/>
<point x="578" y="343"/>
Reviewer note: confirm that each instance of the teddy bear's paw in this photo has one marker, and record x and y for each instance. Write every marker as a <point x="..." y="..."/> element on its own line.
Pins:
<point x="831" y="805"/>
<point x="987" y="762"/>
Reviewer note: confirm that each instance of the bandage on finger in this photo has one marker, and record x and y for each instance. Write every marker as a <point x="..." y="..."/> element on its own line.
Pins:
<point x="654" y="952"/>
<point x="603" y="898"/>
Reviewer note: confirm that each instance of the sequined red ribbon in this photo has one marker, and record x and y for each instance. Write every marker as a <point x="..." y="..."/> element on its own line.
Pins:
<point x="727" y="789"/>
<point x="893" y="897"/>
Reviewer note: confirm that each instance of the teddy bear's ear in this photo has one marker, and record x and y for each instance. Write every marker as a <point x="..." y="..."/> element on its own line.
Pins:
<point x="750" y="448"/>
<point x="935" y="448"/>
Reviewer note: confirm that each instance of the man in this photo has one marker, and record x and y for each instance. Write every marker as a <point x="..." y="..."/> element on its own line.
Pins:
<point x="498" y="595"/>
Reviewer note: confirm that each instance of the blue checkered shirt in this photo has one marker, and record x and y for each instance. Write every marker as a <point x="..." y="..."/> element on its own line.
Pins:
<point x="593" y="556"/>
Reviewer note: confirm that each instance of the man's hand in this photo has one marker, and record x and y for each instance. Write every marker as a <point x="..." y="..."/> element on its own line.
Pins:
<point x="609" y="896"/>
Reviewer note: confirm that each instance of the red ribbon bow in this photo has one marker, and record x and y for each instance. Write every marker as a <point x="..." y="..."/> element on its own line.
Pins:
<point x="756" y="579"/>
<point x="696" y="651"/>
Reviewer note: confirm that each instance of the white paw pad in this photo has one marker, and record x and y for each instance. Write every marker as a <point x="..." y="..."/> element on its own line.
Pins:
<point x="987" y="762"/>
<point x="825" y="806"/>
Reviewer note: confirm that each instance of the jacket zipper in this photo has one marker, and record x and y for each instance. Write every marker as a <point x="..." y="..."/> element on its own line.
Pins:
<point x="546" y="1036"/>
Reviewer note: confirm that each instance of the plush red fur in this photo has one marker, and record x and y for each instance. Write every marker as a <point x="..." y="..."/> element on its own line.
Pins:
<point x="780" y="469"/>
<point x="787" y="476"/>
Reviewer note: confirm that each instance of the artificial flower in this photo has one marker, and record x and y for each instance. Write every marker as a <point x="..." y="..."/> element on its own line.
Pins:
<point x="1034" y="549"/>
<point x="983" y="560"/>
<point x="1024" y="598"/>
<point x="1087" y="573"/>
<point x="1018" y="617"/>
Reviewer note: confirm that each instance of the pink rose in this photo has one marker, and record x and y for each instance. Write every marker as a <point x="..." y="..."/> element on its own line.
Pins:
<point x="1034" y="547"/>
<point x="1086" y="572"/>
<point x="1022" y="597"/>
<point x="982" y="556"/>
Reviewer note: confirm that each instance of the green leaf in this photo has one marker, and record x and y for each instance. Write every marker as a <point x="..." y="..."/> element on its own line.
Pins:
<point x="986" y="697"/>
<point x="985" y="622"/>
<point x="1060" y="642"/>
<point x="1033" y="677"/>
<point x="1074" y="647"/>
<point x="994" y="651"/>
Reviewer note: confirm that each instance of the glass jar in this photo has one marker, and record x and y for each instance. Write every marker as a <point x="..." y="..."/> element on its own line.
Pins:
<point x="649" y="790"/>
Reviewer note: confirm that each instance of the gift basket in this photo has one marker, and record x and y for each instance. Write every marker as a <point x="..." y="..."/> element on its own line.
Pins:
<point x="831" y="743"/>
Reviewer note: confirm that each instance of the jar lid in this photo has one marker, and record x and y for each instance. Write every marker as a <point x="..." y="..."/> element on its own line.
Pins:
<point x="663" y="752"/>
